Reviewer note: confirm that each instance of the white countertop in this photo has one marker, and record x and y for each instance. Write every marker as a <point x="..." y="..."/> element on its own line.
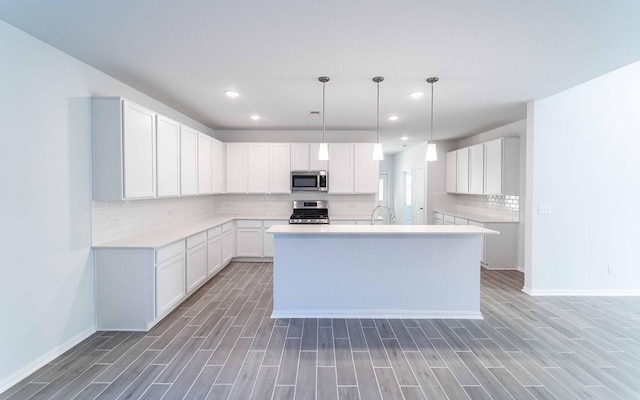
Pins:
<point x="379" y="229"/>
<point x="483" y="218"/>
<point x="163" y="237"/>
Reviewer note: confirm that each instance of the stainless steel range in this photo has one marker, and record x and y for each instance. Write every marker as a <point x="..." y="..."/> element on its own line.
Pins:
<point x="310" y="212"/>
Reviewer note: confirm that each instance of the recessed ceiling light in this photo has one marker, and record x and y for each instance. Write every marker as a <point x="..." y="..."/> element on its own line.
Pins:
<point x="232" y="93"/>
<point x="404" y="138"/>
<point x="393" y="118"/>
<point x="416" y="95"/>
<point x="255" y="117"/>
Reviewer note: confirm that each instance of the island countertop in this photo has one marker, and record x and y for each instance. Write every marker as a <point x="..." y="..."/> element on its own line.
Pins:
<point x="380" y="230"/>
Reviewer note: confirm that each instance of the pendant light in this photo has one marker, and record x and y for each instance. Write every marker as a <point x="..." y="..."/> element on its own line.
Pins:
<point x="377" y="147"/>
<point x="432" y="154"/>
<point x="323" y="153"/>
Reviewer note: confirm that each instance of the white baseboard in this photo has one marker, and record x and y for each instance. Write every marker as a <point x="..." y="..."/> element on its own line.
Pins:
<point x="11" y="380"/>
<point x="579" y="292"/>
<point x="516" y="268"/>
<point x="394" y="314"/>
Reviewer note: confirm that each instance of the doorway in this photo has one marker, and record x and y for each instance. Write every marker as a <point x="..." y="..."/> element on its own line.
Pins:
<point x="406" y="196"/>
<point x="417" y="199"/>
<point x="383" y="195"/>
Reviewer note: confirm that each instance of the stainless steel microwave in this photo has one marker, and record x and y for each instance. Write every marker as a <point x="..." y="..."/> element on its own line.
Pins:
<point x="309" y="181"/>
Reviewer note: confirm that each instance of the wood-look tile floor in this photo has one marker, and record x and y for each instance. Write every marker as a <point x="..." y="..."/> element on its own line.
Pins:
<point x="221" y="344"/>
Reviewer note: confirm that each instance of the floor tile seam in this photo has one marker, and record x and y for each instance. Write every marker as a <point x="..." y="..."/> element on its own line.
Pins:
<point x="415" y="377"/>
<point x="373" y="368"/>
<point x="131" y="363"/>
<point x="186" y="364"/>
<point x="218" y="345"/>
<point x="233" y="385"/>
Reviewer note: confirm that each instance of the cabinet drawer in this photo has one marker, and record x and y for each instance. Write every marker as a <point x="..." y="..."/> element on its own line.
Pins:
<point x="169" y="252"/>
<point x="245" y="223"/>
<point x="437" y="215"/>
<point x="475" y="223"/>
<point x="461" y="221"/>
<point x="196" y="239"/>
<point x="213" y="232"/>
<point x="227" y="227"/>
<point x="269" y="224"/>
<point x="449" y="218"/>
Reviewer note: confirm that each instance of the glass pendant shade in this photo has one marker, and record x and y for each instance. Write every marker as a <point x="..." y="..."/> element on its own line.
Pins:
<point x="323" y="153"/>
<point x="432" y="154"/>
<point x="377" y="152"/>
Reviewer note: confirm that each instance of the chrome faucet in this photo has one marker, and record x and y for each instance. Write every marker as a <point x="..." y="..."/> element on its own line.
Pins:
<point x="391" y="216"/>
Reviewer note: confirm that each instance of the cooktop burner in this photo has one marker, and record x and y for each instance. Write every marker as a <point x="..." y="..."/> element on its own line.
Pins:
<point x="309" y="212"/>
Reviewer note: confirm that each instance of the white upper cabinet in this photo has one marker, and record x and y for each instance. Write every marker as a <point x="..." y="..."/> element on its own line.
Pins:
<point x="340" y="168"/>
<point x="493" y="167"/>
<point x="257" y="167"/>
<point x="476" y="175"/>
<point x="451" y="172"/>
<point x="462" y="170"/>
<point x="366" y="170"/>
<point x="139" y="151"/>
<point x="236" y="167"/>
<point x="304" y="157"/>
<point x="502" y="166"/>
<point x="124" y="136"/>
<point x="168" y="156"/>
<point x="279" y="168"/>
<point x="204" y="164"/>
<point x="299" y="157"/>
<point x="218" y="166"/>
<point x="188" y="161"/>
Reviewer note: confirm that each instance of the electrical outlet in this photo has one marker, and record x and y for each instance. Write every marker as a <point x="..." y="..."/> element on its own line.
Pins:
<point x="611" y="269"/>
<point x="114" y="223"/>
<point x="544" y="209"/>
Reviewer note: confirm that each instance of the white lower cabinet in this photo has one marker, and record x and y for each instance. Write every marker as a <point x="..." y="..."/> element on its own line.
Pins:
<point x="228" y="242"/>
<point x="214" y="250"/>
<point x="497" y="251"/>
<point x="483" y="250"/>
<point x="267" y="238"/>
<point x="249" y="238"/>
<point x="170" y="287"/>
<point x="137" y="287"/>
<point x="196" y="261"/>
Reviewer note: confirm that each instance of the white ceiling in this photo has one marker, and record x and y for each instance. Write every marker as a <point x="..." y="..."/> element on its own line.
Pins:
<point x="491" y="56"/>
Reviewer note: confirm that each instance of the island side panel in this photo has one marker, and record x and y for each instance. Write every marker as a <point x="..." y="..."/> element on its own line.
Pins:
<point x="381" y="275"/>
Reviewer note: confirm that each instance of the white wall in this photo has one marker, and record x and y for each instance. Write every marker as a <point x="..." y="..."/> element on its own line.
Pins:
<point x="585" y="149"/>
<point x="46" y="273"/>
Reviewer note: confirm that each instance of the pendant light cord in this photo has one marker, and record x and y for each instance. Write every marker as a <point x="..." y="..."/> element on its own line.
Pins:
<point x="378" y="115"/>
<point x="432" y="111"/>
<point x="323" y="87"/>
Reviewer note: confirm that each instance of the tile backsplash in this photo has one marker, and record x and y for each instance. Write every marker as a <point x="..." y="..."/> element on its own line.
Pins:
<point x="276" y="205"/>
<point x="115" y="220"/>
<point x="112" y="220"/>
<point x="495" y="205"/>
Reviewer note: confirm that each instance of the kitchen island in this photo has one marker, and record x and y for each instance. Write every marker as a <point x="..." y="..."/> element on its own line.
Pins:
<point x="377" y="271"/>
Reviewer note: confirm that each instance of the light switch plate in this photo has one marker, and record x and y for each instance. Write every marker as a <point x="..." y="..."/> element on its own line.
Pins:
<point x="544" y="209"/>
